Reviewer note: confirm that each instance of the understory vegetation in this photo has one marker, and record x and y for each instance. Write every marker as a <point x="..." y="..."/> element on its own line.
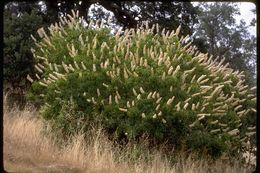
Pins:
<point x="27" y="149"/>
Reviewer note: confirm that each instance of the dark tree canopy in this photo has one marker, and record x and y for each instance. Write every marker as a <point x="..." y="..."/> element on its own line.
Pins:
<point x="168" y="14"/>
<point x="54" y="8"/>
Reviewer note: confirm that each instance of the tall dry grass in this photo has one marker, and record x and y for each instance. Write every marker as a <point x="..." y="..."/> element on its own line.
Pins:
<point x="26" y="149"/>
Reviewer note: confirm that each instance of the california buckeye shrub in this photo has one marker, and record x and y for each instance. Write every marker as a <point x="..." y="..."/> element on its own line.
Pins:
<point x="140" y="82"/>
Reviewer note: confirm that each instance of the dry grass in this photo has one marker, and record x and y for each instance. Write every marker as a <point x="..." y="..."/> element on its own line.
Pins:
<point x="27" y="150"/>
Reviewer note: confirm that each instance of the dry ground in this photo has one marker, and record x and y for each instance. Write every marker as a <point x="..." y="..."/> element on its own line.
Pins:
<point x="27" y="150"/>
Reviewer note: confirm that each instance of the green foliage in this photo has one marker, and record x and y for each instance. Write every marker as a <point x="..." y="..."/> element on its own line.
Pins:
<point x="205" y="142"/>
<point x="18" y="59"/>
<point x="138" y="84"/>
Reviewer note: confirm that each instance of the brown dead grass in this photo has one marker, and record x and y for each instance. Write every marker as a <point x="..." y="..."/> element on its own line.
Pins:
<point x="27" y="150"/>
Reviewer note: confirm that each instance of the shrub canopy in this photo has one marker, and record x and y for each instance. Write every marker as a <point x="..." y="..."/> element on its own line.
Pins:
<point x="137" y="83"/>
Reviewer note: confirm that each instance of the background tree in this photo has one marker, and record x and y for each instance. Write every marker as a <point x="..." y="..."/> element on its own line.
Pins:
<point x="167" y="14"/>
<point x="224" y="37"/>
<point x="18" y="59"/>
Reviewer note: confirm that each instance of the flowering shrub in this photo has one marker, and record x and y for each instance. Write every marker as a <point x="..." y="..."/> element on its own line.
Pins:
<point x="137" y="83"/>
